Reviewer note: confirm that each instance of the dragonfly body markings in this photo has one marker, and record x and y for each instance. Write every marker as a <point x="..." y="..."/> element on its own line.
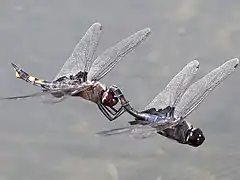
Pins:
<point x="173" y="104"/>
<point x="80" y="75"/>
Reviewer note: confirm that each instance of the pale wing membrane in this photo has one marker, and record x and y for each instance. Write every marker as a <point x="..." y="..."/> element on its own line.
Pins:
<point x="45" y="97"/>
<point x="139" y="131"/>
<point x="53" y="100"/>
<point x="37" y="94"/>
<point x="173" y="92"/>
<point x="198" y="91"/>
<point x="110" y="58"/>
<point x="82" y="56"/>
<point x="63" y="94"/>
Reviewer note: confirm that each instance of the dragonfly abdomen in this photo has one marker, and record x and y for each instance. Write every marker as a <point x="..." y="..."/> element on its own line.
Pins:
<point x="152" y="118"/>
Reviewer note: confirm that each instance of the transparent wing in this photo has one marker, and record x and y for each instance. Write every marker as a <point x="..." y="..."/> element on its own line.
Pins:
<point x="37" y="94"/>
<point x="48" y="95"/>
<point x="173" y="92"/>
<point x="198" y="91"/>
<point x="139" y="131"/>
<point x="136" y="131"/>
<point x="53" y="100"/>
<point x="45" y="97"/>
<point x="109" y="58"/>
<point x="82" y="56"/>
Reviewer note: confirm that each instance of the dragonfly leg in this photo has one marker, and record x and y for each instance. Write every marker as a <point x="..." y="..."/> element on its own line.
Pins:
<point x="109" y="114"/>
<point x="106" y="114"/>
<point x="112" y="110"/>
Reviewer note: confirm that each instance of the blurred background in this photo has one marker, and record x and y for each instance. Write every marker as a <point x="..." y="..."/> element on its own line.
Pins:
<point x="59" y="142"/>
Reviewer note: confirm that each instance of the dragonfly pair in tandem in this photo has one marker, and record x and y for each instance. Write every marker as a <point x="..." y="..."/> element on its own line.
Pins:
<point x="81" y="74"/>
<point x="165" y="115"/>
<point x="167" y="112"/>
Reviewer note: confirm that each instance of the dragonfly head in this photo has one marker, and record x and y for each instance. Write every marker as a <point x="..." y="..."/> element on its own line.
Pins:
<point x="109" y="99"/>
<point x="195" y="137"/>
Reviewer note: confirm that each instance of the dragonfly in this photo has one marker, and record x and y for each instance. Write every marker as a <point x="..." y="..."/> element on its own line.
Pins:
<point x="166" y="114"/>
<point x="80" y="75"/>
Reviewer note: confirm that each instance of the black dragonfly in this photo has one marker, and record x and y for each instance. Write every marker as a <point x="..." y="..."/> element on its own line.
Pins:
<point x="167" y="112"/>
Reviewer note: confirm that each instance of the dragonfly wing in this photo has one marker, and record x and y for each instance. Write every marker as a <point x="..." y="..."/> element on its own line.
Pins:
<point x="109" y="58"/>
<point x="59" y="93"/>
<point x="136" y="131"/>
<point x="53" y="100"/>
<point x="82" y="56"/>
<point x="143" y="132"/>
<point x="173" y="92"/>
<point x="37" y="94"/>
<point x="199" y="90"/>
<point x="139" y="131"/>
<point x="115" y="131"/>
<point x="146" y="131"/>
<point x="46" y="97"/>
